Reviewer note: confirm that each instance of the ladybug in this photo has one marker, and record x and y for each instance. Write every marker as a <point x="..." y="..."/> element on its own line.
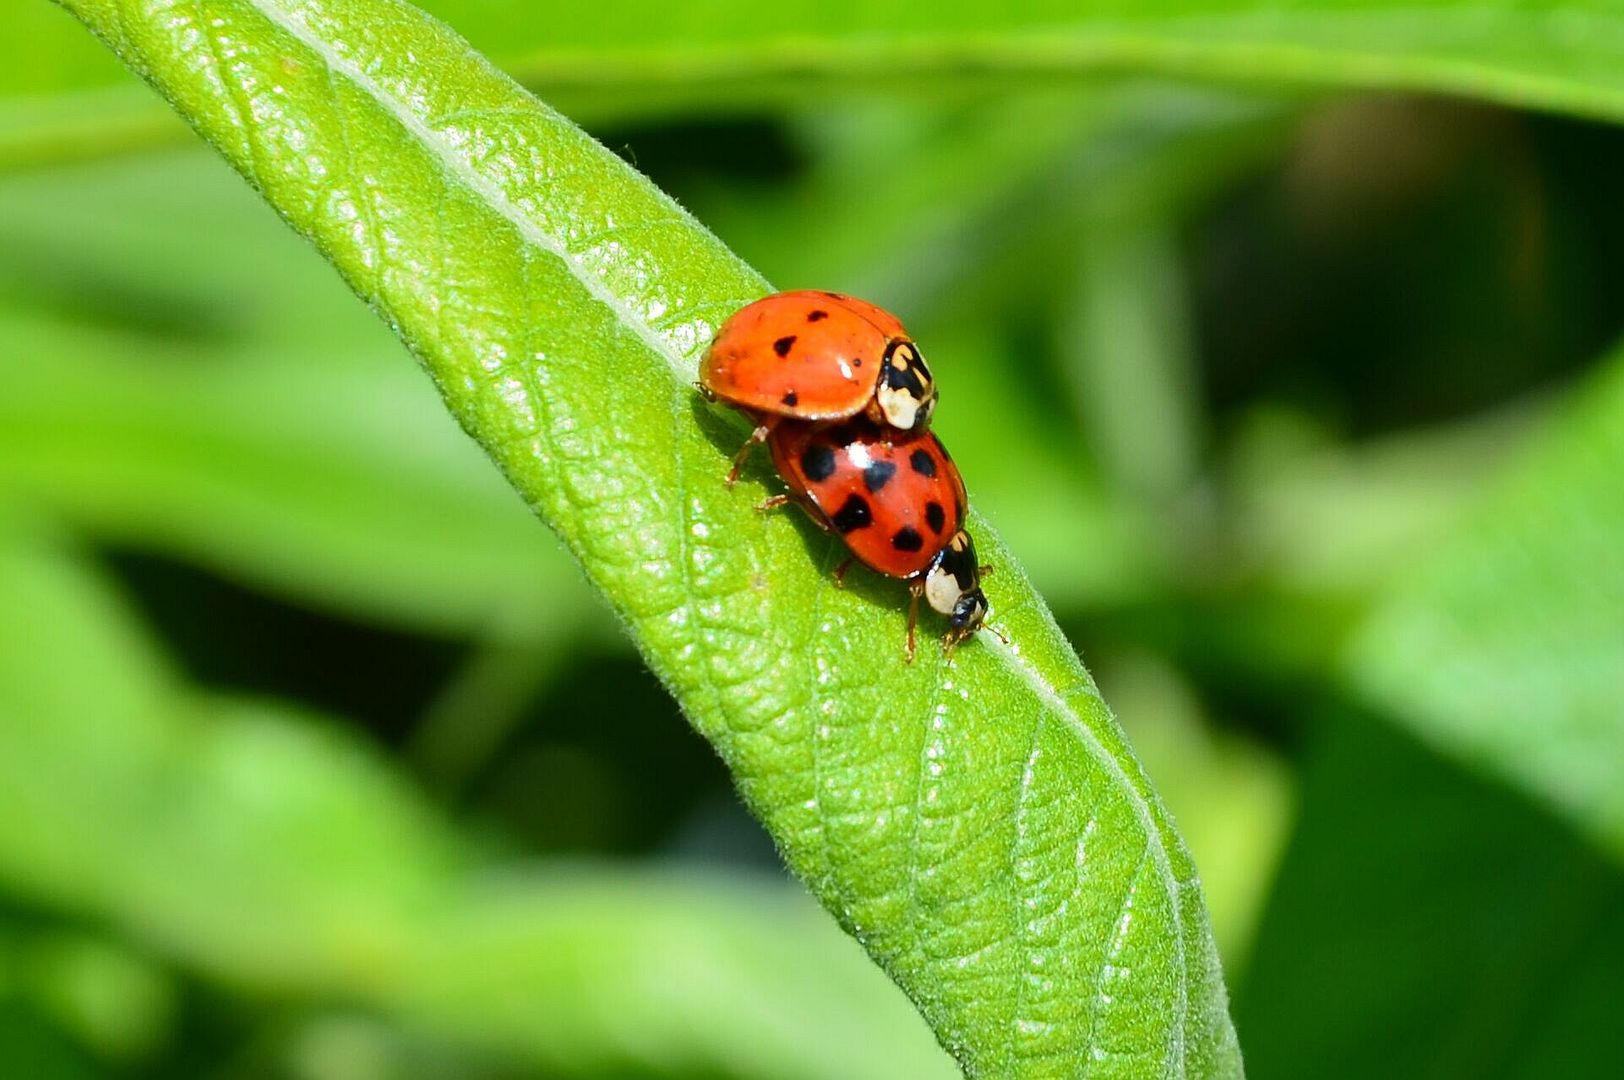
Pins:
<point x="896" y="499"/>
<point x="819" y="357"/>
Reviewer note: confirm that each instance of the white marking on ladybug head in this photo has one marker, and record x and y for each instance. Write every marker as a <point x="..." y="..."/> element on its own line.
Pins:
<point x="901" y="409"/>
<point x="906" y="392"/>
<point x="942" y="590"/>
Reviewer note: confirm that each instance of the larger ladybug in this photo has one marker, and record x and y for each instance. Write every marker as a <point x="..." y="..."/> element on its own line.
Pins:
<point x="896" y="499"/>
<point x="818" y="357"/>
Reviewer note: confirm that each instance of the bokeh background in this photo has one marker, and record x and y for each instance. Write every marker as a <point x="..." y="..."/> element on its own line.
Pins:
<point x="318" y="760"/>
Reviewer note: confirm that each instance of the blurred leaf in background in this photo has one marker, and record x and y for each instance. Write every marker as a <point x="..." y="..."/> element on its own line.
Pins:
<point x="1507" y="646"/>
<point x="276" y="856"/>
<point x="1284" y="401"/>
<point x="1429" y="924"/>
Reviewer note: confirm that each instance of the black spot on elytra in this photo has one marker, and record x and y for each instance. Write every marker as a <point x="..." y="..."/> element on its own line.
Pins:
<point x="922" y="463"/>
<point x="907" y="538"/>
<point x="790" y="399"/>
<point x="878" y="474"/>
<point x="816" y="316"/>
<point x="818" y="462"/>
<point x="783" y="345"/>
<point x="857" y="361"/>
<point x="852" y="515"/>
<point x="936" y="516"/>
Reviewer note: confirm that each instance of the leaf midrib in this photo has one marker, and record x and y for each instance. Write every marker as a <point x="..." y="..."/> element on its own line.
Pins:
<point x="457" y="169"/>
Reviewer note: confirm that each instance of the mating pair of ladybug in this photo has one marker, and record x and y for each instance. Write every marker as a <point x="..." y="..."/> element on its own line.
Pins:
<point x="843" y="399"/>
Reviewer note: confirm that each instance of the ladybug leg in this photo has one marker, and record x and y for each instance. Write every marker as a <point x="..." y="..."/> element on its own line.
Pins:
<point x="985" y="571"/>
<point x="757" y="437"/>
<point x="840" y="571"/>
<point x="786" y="497"/>
<point x="705" y="392"/>
<point x="916" y="589"/>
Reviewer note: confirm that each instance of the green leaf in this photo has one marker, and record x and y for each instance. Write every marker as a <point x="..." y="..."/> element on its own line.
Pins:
<point x="171" y="247"/>
<point x="269" y="850"/>
<point x="986" y="182"/>
<point x="1560" y="55"/>
<point x="1335" y="520"/>
<point x="1473" y="935"/>
<point x="116" y="1002"/>
<point x="978" y="824"/>
<point x="341" y="484"/>
<point x="1124" y="334"/>
<point x="644" y="57"/>
<point x="186" y="376"/>
<point x="1506" y="646"/>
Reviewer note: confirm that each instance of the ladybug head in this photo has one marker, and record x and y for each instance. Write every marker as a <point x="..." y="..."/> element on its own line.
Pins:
<point x="966" y="619"/>
<point x="906" y="394"/>
<point x="953" y="588"/>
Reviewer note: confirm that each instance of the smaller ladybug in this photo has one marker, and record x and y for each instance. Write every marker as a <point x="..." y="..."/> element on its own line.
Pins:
<point x="819" y="357"/>
<point x="897" y="500"/>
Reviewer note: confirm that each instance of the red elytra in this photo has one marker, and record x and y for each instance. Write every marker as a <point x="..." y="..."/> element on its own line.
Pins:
<point x="898" y="502"/>
<point x="895" y="497"/>
<point x="819" y="357"/>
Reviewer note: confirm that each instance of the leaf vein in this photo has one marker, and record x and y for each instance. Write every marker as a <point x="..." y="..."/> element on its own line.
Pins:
<point x="1155" y="843"/>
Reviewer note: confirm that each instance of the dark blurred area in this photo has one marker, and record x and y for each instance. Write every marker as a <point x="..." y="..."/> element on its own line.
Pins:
<point x="1272" y="398"/>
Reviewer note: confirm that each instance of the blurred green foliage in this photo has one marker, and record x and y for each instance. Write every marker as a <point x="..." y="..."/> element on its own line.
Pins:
<point x="1301" y="412"/>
